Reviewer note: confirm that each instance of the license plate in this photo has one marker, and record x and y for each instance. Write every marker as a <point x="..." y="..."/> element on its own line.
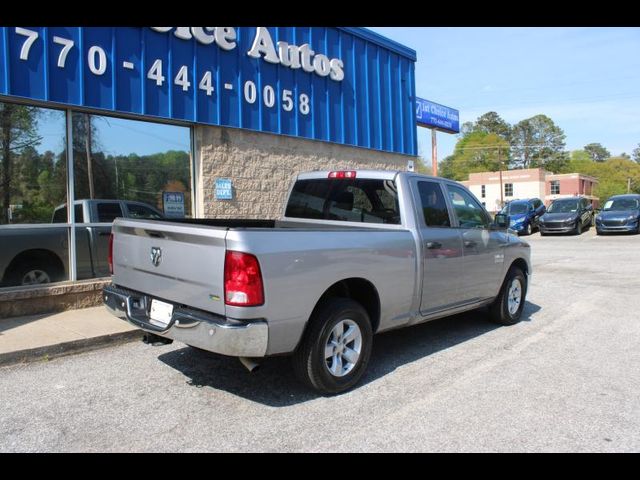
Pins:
<point x="160" y="313"/>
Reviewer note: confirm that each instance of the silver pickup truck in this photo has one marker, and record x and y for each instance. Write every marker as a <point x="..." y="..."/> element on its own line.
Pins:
<point x="355" y="253"/>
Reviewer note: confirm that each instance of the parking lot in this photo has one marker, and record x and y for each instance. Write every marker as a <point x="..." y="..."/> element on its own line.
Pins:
<point x="566" y="378"/>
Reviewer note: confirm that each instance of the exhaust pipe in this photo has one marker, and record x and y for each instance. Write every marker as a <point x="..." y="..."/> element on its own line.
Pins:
<point x="249" y="364"/>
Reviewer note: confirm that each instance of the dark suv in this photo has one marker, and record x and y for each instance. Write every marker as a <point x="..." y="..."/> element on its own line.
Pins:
<point x="567" y="215"/>
<point x="620" y="213"/>
<point x="524" y="214"/>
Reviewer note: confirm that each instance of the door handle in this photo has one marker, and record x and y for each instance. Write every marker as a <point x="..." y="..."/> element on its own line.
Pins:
<point x="434" y="245"/>
<point x="470" y="243"/>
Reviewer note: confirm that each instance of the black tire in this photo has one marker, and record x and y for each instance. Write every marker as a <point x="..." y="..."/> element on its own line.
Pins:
<point x="529" y="229"/>
<point x="542" y="234"/>
<point x="32" y="272"/>
<point x="578" y="229"/>
<point x="499" y="310"/>
<point x="599" y="232"/>
<point x="309" y="361"/>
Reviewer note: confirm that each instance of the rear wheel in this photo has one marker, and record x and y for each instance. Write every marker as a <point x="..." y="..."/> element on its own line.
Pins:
<point x="507" y="308"/>
<point x="528" y="230"/>
<point x="34" y="273"/>
<point x="336" y="347"/>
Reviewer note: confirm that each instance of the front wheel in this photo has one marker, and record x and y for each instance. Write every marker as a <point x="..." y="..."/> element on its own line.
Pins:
<point x="335" y="350"/>
<point x="507" y="308"/>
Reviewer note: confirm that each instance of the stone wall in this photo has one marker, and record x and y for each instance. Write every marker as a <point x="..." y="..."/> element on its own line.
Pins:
<point x="262" y="167"/>
<point x="19" y="301"/>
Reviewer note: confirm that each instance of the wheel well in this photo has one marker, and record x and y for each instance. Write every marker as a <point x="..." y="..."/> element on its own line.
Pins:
<point x="521" y="264"/>
<point x="40" y="256"/>
<point x="360" y="290"/>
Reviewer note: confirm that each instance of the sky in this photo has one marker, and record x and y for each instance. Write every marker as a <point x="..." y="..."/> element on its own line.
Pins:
<point x="587" y="80"/>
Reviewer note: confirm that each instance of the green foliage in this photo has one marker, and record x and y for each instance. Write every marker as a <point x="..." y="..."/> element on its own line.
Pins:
<point x="536" y="141"/>
<point x="475" y="152"/>
<point x="597" y="152"/>
<point x="635" y="155"/>
<point x="612" y="175"/>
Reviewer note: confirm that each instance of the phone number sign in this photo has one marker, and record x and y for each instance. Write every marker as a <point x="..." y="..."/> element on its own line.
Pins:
<point x="302" y="81"/>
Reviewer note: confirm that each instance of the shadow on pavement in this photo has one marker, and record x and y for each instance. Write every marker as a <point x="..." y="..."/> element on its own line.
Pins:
<point x="274" y="383"/>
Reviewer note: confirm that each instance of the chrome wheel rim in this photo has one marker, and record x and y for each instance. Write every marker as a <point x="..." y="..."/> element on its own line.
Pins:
<point x="35" y="277"/>
<point x="343" y="348"/>
<point x="514" y="296"/>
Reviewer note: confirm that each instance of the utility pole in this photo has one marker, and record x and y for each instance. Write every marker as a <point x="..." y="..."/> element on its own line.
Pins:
<point x="434" y="153"/>
<point x="501" y="187"/>
<point x="629" y="185"/>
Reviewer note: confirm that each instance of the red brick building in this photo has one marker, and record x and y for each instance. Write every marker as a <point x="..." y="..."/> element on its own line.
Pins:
<point x="529" y="183"/>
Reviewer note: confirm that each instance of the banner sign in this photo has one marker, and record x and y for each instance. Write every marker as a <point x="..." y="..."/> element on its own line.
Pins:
<point x="344" y="85"/>
<point x="439" y="117"/>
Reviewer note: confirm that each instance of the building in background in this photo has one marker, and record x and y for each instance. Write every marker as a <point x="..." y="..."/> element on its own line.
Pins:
<point x="529" y="183"/>
<point x="250" y="108"/>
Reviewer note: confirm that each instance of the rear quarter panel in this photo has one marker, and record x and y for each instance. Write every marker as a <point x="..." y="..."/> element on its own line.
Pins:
<point x="299" y="266"/>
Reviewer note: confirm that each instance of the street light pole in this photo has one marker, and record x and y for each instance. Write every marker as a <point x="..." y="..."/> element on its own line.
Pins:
<point x="434" y="153"/>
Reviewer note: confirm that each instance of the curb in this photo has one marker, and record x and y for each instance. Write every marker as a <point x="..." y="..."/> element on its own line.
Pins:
<point x="68" y="348"/>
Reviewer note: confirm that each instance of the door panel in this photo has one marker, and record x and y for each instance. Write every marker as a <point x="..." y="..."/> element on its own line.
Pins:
<point x="441" y="249"/>
<point x="483" y="248"/>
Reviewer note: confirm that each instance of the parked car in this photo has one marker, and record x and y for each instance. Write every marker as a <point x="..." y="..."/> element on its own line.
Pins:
<point x="620" y="213"/>
<point x="31" y="255"/>
<point x="355" y="253"/>
<point x="567" y="215"/>
<point x="524" y="214"/>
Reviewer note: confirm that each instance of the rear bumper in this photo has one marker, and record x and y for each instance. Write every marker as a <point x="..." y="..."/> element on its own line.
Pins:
<point x="214" y="333"/>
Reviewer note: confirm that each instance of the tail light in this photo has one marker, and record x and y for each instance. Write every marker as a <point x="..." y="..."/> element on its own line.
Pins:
<point x="242" y="280"/>
<point x="343" y="174"/>
<point x="110" y="255"/>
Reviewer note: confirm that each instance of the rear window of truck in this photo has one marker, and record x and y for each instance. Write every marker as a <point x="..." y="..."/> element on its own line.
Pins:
<point x="348" y="200"/>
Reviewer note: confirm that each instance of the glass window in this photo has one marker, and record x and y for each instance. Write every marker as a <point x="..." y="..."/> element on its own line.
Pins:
<point x="359" y="200"/>
<point x="555" y="187"/>
<point x="33" y="182"/>
<point x="118" y="159"/>
<point x="60" y="214"/>
<point x="508" y="189"/>
<point x="468" y="210"/>
<point x="434" y="206"/>
<point x="108" y="211"/>
<point x="140" y="211"/>
<point x="484" y="191"/>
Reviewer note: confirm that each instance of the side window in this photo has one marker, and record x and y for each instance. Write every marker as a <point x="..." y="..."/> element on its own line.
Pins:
<point x="434" y="206"/>
<point x="78" y="213"/>
<point x="107" y="212"/>
<point x="469" y="212"/>
<point x="60" y="215"/>
<point x="140" y="211"/>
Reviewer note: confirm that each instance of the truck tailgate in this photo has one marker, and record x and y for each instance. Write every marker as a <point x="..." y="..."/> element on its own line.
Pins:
<point x="189" y="263"/>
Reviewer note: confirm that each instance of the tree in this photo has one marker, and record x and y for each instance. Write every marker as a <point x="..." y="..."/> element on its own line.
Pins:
<point x="597" y="152"/>
<point x="476" y="152"/>
<point x="489" y="122"/>
<point x="635" y="155"/>
<point x="17" y="132"/>
<point x="535" y="141"/>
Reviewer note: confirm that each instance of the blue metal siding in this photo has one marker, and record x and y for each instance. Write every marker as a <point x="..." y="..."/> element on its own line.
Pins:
<point x="373" y="106"/>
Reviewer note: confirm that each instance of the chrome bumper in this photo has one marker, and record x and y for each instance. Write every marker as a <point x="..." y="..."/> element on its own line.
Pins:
<point x="199" y="329"/>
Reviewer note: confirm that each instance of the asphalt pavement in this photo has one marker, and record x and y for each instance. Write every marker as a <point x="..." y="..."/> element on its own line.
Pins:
<point x="565" y="379"/>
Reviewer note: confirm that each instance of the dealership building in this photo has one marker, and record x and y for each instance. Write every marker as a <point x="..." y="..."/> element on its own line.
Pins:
<point x="529" y="183"/>
<point x="184" y="121"/>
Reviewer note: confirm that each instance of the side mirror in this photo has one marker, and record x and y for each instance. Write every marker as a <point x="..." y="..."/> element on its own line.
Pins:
<point x="501" y="220"/>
